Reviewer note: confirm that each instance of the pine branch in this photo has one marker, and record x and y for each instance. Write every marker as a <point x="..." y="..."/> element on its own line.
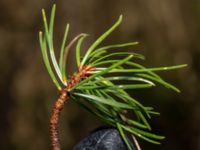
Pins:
<point x="95" y="86"/>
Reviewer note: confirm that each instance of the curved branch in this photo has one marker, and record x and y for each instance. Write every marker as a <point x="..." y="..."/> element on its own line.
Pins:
<point x="58" y="106"/>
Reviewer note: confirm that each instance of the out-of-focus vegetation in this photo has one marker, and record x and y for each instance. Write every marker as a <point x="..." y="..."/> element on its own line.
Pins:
<point x="168" y="32"/>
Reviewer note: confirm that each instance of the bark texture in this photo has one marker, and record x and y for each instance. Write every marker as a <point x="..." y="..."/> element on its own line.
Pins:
<point x="59" y="104"/>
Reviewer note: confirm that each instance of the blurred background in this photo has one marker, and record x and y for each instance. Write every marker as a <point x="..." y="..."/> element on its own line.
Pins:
<point x="168" y="32"/>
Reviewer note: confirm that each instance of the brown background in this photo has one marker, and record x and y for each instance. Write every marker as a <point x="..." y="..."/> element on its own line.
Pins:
<point x="168" y="31"/>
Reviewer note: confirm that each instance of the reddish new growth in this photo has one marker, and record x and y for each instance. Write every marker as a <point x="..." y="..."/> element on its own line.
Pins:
<point x="83" y="72"/>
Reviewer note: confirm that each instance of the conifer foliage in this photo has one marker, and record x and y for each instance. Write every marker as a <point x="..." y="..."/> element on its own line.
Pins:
<point x="99" y="83"/>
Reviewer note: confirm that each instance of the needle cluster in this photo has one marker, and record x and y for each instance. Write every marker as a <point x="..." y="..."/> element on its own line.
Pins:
<point x="99" y="88"/>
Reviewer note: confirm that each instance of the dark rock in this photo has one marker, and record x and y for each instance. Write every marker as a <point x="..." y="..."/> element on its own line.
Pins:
<point x="102" y="139"/>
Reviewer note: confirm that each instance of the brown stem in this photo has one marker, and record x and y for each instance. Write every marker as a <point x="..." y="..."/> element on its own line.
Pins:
<point x="59" y="104"/>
